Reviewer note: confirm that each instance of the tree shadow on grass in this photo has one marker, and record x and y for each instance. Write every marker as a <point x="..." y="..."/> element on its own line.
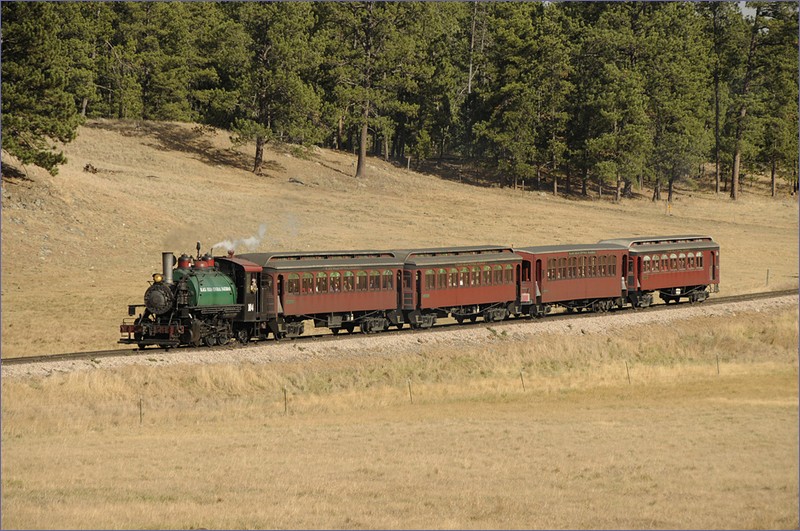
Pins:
<point x="14" y="173"/>
<point x="473" y="174"/>
<point x="193" y="141"/>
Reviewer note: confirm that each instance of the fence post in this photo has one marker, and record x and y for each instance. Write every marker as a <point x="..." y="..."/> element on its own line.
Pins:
<point x="141" y="410"/>
<point x="767" y="276"/>
<point x="285" y="402"/>
<point x="628" y="372"/>
<point x="410" y="395"/>
<point x="522" y="379"/>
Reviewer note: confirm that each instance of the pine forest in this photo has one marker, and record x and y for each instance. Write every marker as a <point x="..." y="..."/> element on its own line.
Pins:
<point x="564" y="96"/>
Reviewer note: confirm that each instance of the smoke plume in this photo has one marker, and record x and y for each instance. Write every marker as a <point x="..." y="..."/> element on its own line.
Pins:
<point x="248" y="243"/>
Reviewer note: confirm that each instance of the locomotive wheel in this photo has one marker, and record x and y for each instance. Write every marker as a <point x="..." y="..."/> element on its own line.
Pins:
<point x="210" y="341"/>
<point x="223" y="338"/>
<point x="243" y="335"/>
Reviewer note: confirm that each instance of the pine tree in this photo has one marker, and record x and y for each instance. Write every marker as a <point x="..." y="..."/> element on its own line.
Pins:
<point x="621" y="141"/>
<point x="677" y="72"/>
<point x="220" y="62"/>
<point x="723" y="24"/>
<point x="37" y="108"/>
<point x="528" y="84"/>
<point x="277" y="100"/>
<point x="779" y="145"/>
<point x="368" y="57"/>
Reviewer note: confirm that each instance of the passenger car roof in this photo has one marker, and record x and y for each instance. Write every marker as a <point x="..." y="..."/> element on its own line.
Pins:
<point x="646" y="244"/>
<point x="574" y="248"/>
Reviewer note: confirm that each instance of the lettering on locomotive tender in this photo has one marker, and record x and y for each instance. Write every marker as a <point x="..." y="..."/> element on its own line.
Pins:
<point x="206" y="289"/>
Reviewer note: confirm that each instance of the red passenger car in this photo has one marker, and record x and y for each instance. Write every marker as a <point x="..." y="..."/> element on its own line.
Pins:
<point x="465" y="282"/>
<point x="675" y="266"/>
<point x="576" y="277"/>
<point x="339" y="289"/>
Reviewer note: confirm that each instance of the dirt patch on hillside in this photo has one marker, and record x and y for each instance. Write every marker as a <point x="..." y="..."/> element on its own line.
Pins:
<point x="78" y="247"/>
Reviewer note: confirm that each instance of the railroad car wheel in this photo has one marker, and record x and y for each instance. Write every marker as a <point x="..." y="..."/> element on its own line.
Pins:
<point x="141" y="346"/>
<point x="335" y="331"/>
<point x="459" y="319"/>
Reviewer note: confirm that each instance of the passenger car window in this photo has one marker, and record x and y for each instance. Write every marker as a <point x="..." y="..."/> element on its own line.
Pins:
<point x="430" y="279"/>
<point x="322" y="283"/>
<point x="293" y="284"/>
<point x="361" y="281"/>
<point x="308" y="283"/>
<point x="336" y="282"/>
<point x="348" y="282"/>
<point x="374" y="280"/>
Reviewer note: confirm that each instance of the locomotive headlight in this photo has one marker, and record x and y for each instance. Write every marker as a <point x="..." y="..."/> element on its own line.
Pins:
<point x="157" y="277"/>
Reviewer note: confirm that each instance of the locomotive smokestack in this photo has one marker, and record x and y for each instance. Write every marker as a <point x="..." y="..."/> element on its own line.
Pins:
<point x="167" y="263"/>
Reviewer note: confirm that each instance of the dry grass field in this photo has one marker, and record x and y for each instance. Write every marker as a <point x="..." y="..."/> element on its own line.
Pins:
<point x="79" y="247"/>
<point x="679" y="446"/>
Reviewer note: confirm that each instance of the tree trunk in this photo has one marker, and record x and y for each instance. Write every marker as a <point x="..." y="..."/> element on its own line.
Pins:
<point x="773" y="178"/>
<point x="569" y="184"/>
<point x="472" y="47"/>
<point x="538" y="177"/>
<point x="362" y="148"/>
<point x="259" y="155"/>
<point x="616" y="191"/>
<point x="737" y="159"/>
<point x="340" y="133"/>
<point x="555" y="184"/>
<point x="584" y="180"/>
<point x="716" y="100"/>
<point x="737" y="152"/>
<point x="657" y="190"/>
<point x="670" y="187"/>
<point x="386" y="147"/>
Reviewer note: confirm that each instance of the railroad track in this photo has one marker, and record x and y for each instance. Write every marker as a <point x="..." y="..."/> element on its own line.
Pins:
<point x="135" y="352"/>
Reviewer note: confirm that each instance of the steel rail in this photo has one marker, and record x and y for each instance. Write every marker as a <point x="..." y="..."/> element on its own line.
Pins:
<point x="135" y="352"/>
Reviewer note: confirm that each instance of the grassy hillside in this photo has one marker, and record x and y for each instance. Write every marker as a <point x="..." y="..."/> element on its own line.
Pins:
<point x="685" y="443"/>
<point x="78" y="247"/>
<point x="680" y="446"/>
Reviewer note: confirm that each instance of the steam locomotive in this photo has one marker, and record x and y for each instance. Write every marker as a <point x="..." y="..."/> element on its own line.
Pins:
<point x="208" y="300"/>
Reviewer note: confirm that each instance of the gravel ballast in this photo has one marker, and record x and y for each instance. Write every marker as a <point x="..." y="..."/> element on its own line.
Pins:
<point x="404" y="343"/>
